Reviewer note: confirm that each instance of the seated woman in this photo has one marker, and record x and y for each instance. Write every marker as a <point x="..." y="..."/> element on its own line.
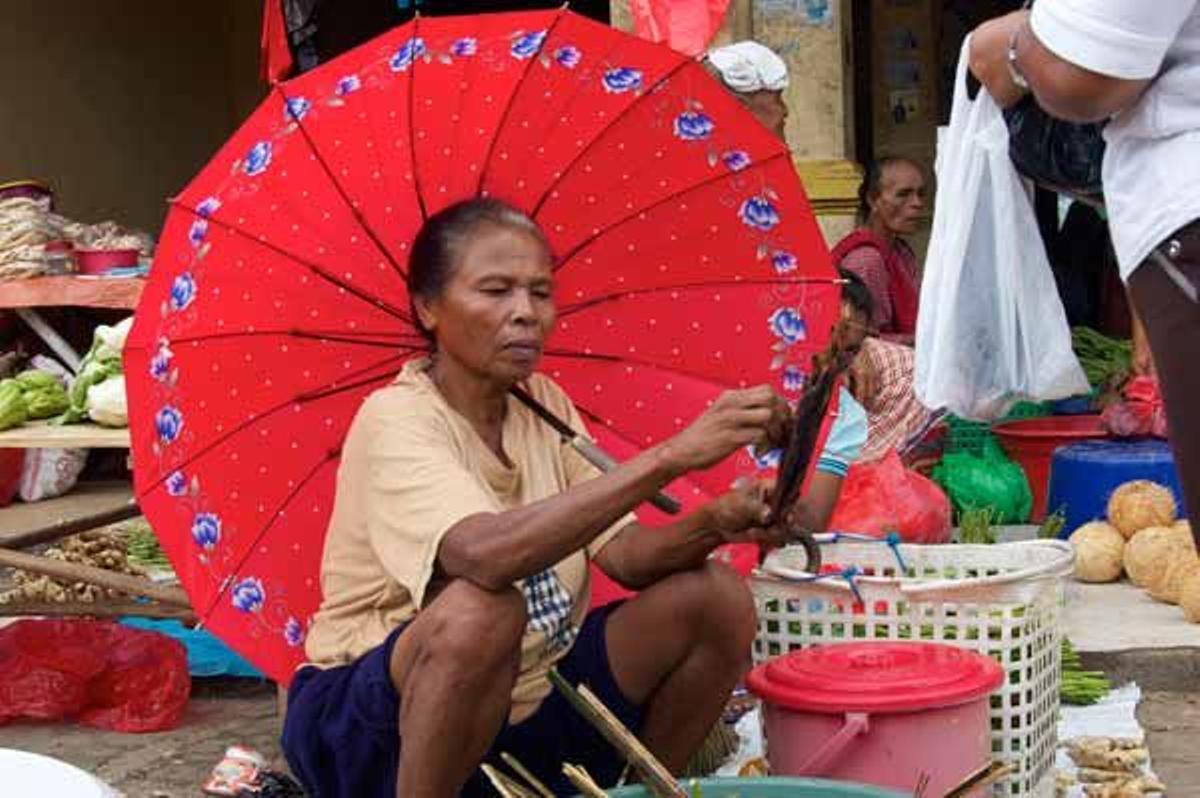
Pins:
<point x="881" y="378"/>
<point x="455" y="572"/>
<point x="891" y="204"/>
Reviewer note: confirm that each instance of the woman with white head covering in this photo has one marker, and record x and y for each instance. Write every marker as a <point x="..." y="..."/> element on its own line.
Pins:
<point x="756" y="76"/>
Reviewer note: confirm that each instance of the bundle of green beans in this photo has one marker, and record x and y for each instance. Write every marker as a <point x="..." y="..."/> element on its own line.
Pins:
<point x="143" y="545"/>
<point x="1080" y="687"/>
<point x="1107" y="362"/>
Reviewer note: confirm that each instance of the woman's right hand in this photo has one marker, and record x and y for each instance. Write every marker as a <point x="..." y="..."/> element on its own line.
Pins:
<point x="753" y="416"/>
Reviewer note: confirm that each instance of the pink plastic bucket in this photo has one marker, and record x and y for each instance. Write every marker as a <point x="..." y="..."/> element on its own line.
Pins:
<point x="881" y="713"/>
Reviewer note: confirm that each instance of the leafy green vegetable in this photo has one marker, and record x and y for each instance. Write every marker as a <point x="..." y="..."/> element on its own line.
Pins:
<point x="13" y="409"/>
<point x="1107" y="362"/>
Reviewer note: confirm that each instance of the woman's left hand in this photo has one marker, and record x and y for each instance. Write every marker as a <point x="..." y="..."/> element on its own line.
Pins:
<point x="741" y="513"/>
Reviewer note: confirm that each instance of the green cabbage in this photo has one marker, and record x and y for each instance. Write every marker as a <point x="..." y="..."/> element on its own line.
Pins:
<point x="13" y="410"/>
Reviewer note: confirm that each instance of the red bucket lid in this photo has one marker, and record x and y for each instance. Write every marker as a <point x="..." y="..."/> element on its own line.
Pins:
<point x="875" y="677"/>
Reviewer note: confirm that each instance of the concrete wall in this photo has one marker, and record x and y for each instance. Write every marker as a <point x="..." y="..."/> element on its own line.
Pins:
<point x="117" y="105"/>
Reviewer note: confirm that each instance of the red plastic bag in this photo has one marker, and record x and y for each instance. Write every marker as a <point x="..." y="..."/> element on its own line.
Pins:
<point x="98" y="673"/>
<point x="1140" y="412"/>
<point x="883" y="496"/>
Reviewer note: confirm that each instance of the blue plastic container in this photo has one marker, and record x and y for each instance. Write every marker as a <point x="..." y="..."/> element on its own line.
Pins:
<point x="1084" y="475"/>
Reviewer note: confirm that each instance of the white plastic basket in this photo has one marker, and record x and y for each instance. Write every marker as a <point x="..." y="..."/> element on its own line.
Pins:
<point x="1003" y="600"/>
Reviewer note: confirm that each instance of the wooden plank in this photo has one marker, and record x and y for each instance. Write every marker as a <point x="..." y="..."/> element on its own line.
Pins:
<point x="72" y="290"/>
<point x="74" y="572"/>
<point x="107" y="608"/>
<point x="43" y="435"/>
<point x="85" y="500"/>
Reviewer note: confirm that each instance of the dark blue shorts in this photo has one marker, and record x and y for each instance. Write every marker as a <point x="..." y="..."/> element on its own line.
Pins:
<point x="342" y="740"/>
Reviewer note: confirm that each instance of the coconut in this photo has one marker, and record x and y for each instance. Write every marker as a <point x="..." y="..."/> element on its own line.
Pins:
<point x="1189" y="598"/>
<point x="1099" y="552"/>
<point x="1148" y="553"/>
<point x="1178" y="571"/>
<point x="1137" y="505"/>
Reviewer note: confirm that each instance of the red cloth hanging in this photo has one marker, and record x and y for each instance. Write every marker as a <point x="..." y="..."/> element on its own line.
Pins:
<point x="686" y="25"/>
<point x="277" y="60"/>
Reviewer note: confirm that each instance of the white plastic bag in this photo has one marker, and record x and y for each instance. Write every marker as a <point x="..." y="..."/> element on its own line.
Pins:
<point x="49" y="473"/>
<point x="992" y="330"/>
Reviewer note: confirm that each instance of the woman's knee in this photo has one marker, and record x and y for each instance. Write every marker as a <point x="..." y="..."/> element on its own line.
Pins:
<point x="723" y="603"/>
<point x="470" y="624"/>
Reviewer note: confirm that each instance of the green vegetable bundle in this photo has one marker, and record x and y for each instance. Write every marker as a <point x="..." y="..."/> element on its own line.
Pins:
<point x="13" y="409"/>
<point x="1079" y="686"/>
<point x="29" y="396"/>
<point x="101" y="362"/>
<point x="1107" y="362"/>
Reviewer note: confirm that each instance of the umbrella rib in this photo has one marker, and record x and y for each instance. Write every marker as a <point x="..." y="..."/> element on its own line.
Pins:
<point x="354" y="211"/>
<point x="304" y="397"/>
<point x="600" y="356"/>
<point x="591" y="302"/>
<point x="412" y="124"/>
<point x="381" y="341"/>
<point x="388" y="308"/>
<point x="275" y="516"/>
<point x="575" y="250"/>
<point x="487" y="161"/>
<point x="670" y="73"/>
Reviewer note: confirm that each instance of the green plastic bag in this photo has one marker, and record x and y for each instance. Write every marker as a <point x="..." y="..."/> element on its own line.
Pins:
<point x="987" y="480"/>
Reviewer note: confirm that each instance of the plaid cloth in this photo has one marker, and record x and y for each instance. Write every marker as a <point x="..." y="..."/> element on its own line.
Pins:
<point x="895" y="419"/>
<point x="549" y="609"/>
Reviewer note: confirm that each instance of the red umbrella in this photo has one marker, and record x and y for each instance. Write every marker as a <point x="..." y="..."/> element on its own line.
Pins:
<point x="690" y="262"/>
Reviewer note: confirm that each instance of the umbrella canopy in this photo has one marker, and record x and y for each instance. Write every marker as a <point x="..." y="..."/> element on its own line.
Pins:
<point x="688" y="262"/>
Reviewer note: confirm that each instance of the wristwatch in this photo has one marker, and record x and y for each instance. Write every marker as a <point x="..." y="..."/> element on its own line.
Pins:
<point x="1014" y="70"/>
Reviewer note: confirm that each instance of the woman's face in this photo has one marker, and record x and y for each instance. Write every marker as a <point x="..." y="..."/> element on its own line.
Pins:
<point x="900" y="203"/>
<point x="496" y="310"/>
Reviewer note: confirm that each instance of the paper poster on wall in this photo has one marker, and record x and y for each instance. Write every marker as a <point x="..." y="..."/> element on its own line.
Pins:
<point x="807" y="12"/>
<point x="904" y="106"/>
<point x="901" y="74"/>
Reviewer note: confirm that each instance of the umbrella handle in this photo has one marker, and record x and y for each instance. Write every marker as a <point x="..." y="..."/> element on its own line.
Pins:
<point x="605" y="462"/>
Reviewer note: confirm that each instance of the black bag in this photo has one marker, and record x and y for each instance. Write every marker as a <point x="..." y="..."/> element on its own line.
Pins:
<point x="1061" y="156"/>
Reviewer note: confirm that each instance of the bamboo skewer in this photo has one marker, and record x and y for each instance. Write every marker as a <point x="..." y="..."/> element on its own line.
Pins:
<point x="74" y="572"/>
<point x="504" y="785"/>
<point x="523" y="772"/>
<point x="655" y="776"/>
<point x="985" y="776"/>
<point x="583" y="782"/>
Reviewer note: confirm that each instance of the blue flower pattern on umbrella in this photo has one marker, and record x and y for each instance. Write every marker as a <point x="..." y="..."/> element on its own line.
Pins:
<point x="177" y="484"/>
<point x="784" y="261"/>
<point x="736" y="160"/>
<point x="347" y="85"/>
<point x="248" y="594"/>
<point x="296" y="108"/>
<point x="759" y="213"/>
<point x="527" y="44"/>
<point x="466" y="46"/>
<point x="622" y="79"/>
<point x="160" y="364"/>
<point x="410" y="51"/>
<point x="183" y="291"/>
<point x="197" y="232"/>
<point x="293" y="632"/>
<point x="206" y="530"/>
<point x="169" y="422"/>
<point x="788" y="326"/>
<point x="258" y="159"/>
<point x="207" y="207"/>
<point x="568" y="56"/>
<point x="793" y="379"/>
<point x="693" y="126"/>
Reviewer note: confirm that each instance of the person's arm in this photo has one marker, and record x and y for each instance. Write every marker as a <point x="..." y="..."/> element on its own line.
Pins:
<point x="494" y="550"/>
<point x="1143" y="358"/>
<point x="1084" y="61"/>
<point x="639" y="556"/>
